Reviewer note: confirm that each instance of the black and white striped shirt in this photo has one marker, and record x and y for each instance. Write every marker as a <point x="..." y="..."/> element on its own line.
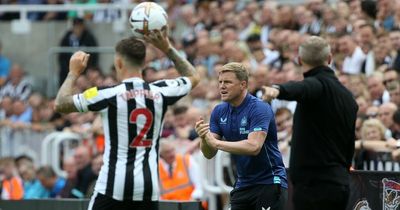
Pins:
<point x="132" y="114"/>
<point x="21" y="91"/>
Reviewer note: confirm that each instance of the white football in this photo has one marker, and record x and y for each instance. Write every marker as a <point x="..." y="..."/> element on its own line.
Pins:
<point x="147" y="16"/>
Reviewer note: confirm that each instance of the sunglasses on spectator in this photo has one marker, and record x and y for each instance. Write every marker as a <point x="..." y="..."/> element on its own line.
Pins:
<point x="372" y="115"/>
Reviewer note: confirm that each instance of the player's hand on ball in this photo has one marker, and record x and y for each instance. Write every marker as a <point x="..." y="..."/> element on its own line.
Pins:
<point x="78" y="62"/>
<point x="269" y="93"/>
<point x="159" y="39"/>
<point x="202" y="128"/>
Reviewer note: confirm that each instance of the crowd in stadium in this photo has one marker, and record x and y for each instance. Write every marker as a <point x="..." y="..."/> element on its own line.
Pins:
<point x="264" y="35"/>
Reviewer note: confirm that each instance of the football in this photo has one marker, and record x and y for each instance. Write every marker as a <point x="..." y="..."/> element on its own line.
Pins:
<point x="147" y="16"/>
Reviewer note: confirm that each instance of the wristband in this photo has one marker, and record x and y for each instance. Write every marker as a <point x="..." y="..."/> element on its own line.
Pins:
<point x="398" y="144"/>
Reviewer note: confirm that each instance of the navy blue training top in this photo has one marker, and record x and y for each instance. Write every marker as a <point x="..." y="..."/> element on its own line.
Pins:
<point x="234" y="124"/>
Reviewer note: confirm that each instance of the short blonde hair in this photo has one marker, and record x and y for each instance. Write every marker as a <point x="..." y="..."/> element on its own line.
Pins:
<point x="373" y="123"/>
<point x="240" y="71"/>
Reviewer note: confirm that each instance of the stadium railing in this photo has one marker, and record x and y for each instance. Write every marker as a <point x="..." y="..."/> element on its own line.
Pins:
<point x="21" y="142"/>
<point x="45" y="148"/>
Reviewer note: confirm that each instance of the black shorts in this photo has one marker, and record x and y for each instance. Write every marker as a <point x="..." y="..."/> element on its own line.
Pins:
<point x="320" y="195"/>
<point x="258" y="197"/>
<point x="102" y="202"/>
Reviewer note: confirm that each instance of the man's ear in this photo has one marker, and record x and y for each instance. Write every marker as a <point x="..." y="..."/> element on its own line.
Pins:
<point x="299" y="61"/>
<point x="329" y="58"/>
<point x="118" y="63"/>
<point x="244" y="84"/>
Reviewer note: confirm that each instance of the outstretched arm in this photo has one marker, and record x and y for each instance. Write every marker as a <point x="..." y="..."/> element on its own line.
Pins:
<point x="160" y="40"/>
<point x="64" y="102"/>
<point x="308" y="89"/>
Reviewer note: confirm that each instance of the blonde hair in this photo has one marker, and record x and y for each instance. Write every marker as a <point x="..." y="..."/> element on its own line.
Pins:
<point x="240" y="71"/>
<point x="373" y="123"/>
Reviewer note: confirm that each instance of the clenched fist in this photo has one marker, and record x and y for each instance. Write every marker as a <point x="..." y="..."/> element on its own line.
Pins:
<point x="78" y="62"/>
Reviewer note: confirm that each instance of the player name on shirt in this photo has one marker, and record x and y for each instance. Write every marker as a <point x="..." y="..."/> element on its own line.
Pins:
<point x="131" y="94"/>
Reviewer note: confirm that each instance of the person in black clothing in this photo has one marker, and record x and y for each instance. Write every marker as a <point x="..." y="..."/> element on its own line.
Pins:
<point x="85" y="175"/>
<point x="323" y="130"/>
<point x="78" y="36"/>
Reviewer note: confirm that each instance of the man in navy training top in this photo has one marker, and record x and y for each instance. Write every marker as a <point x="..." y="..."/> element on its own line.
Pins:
<point x="248" y="128"/>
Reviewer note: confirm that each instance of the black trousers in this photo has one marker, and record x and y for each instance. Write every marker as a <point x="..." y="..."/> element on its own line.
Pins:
<point x="259" y="197"/>
<point x="102" y="202"/>
<point x="320" y="195"/>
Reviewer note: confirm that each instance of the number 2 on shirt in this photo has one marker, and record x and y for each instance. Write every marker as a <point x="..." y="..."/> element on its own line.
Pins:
<point x="139" y="140"/>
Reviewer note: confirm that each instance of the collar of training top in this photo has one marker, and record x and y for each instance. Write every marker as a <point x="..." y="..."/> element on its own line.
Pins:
<point x="317" y="70"/>
<point x="242" y="105"/>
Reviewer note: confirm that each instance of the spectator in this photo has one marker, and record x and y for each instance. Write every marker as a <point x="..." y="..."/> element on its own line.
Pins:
<point x="284" y="122"/>
<point x="389" y="76"/>
<point x="78" y="36"/>
<point x="5" y="65"/>
<point x="394" y="92"/>
<point x="261" y="78"/>
<point x="183" y="129"/>
<point x="354" y="55"/>
<point x="367" y="41"/>
<point x="363" y="105"/>
<point x="17" y="85"/>
<point x="376" y="88"/>
<point x="33" y="189"/>
<point x="11" y="183"/>
<point x="385" y="115"/>
<point x="179" y="175"/>
<point x="107" y="15"/>
<point x="6" y="109"/>
<point x="97" y="163"/>
<point x="22" y="113"/>
<point x="51" y="181"/>
<point x="384" y="15"/>
<point x="85" y="174"/>
<point x="189" y="47"/>
<point x="358" y="86"/>
<point x="149" y="74"/>
<point x="395" y="40"/>
<point x="69" y="190"/>
<point x="86" y="15"/>
<point x="396" y="120"/>
<point x="7" y="16"/>
<point x="373" y="151"/>
<point x="53" y="15"/>
<point x="266" y="20"/>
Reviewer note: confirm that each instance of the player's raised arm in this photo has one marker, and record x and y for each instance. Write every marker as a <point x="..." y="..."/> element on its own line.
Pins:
<point x="64" y="102"/>
<point x="160" y="40"/>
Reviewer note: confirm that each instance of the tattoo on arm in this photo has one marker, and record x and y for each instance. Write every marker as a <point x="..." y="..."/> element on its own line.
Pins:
<point x="182" y="65"/>
<point x="64" y="100"/>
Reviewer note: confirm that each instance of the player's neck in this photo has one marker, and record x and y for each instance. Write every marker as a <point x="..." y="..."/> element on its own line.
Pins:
<point x="129" y="74"/>
<point x="239" y="100"/>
